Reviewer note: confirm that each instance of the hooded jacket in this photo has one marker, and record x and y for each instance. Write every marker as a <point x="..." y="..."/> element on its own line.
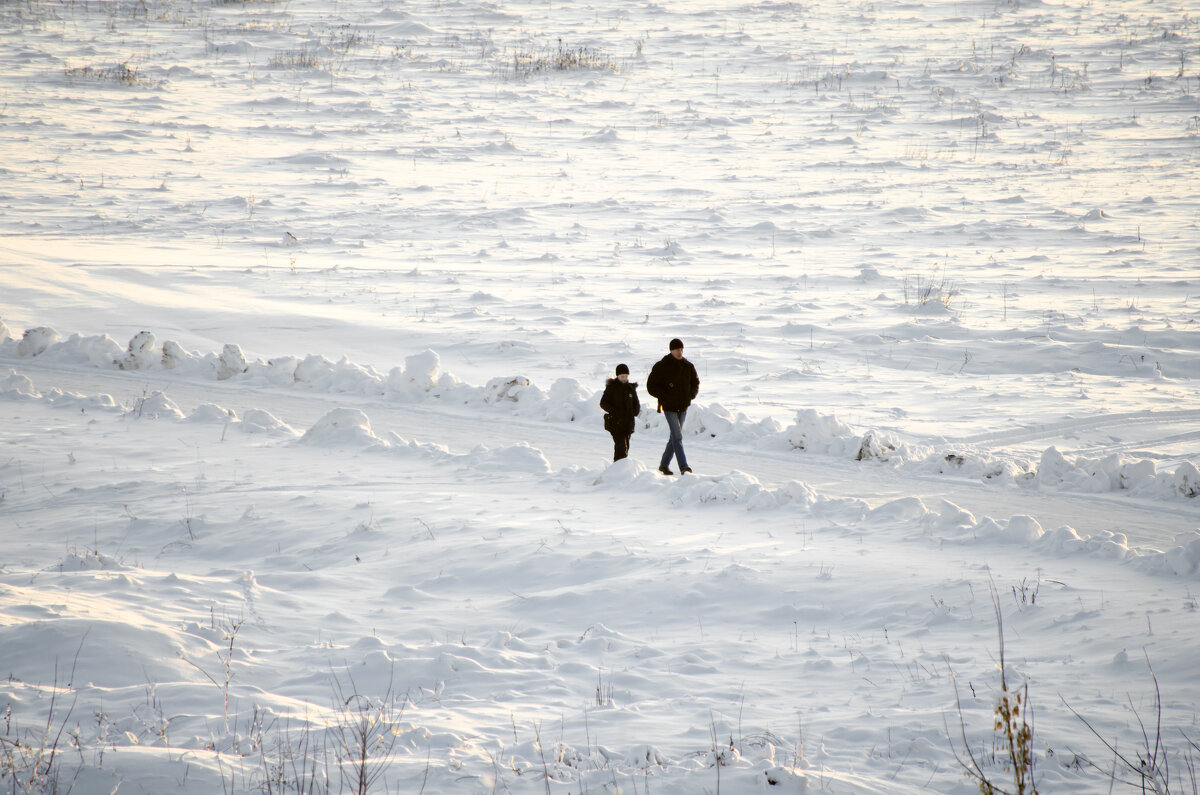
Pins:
<point x="674" y="382"/>
<point x="622" y="404"/>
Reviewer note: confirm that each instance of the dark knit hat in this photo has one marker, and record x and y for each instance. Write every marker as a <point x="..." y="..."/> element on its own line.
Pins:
<point x="676" y="343"/>
<point x="622" y="369"/>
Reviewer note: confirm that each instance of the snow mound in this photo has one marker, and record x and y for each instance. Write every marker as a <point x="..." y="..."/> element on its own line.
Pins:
<point x="36" y="341"/>
<point x="420" y="372"/>
<point x="343" y="376"/>
<point x="622" y="474"/>
<point x="517" y="458"/>
<point x="511" y="388"/>
<point x="607" y="135"/>
<point x="211" y="412"/>
<point x="734" y="487"/>
<point x="1022" y="528"/>
<point x="71" y="400"/>
<point x="1062" y="540"/>
<point x="816" y="432"/>
<point x="341" y="427"/>
<point x="1186" y="480"/>
<point x="948" y="516"/>
<point x="156" y="405"/>
<point x="142" y="353"/>
<point x="15" y="386"/>
<point x="793" y="493"/>
<point x="173" y="355"/>
<point x="1184" y="557"/>
<point x="231" y="362"/>
<point x="903" y="509"/>
<point x="260" y="421"/>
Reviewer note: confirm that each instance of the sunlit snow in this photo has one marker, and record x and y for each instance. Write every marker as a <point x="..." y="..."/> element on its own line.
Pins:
<point x="305" y="312"/>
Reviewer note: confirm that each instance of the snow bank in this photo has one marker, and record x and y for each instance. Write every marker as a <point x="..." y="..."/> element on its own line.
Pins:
<point x="1113" y="473"/>
<point x="44" y="342"/>
<point x="567" y="400"/>
<point x="351" y="428"/>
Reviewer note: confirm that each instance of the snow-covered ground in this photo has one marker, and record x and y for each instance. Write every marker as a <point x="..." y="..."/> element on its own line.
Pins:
<point x="304" y="312"/>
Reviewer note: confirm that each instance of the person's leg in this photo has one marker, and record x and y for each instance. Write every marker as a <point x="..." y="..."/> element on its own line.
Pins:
<point x="674" y="440"/>
<point x="620" y="446"/>
<point x="677" y="437"/>
<point x="669" y="450"/>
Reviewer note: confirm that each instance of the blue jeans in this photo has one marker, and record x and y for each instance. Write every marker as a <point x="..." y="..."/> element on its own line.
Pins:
<point x="675" y="442"/>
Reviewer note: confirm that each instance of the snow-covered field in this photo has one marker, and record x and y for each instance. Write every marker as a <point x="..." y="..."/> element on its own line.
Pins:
<point x="305" y="308"/>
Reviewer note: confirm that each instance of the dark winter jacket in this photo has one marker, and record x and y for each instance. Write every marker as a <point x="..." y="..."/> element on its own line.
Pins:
<point x="674" y="382"/>
<point x="622" y="404"/>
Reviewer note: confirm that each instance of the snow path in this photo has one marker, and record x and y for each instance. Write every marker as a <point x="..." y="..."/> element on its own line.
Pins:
<point x="1146" y="522"/>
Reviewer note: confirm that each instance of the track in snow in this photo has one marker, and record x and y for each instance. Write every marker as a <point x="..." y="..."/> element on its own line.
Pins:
<point x="1145" y="522"/>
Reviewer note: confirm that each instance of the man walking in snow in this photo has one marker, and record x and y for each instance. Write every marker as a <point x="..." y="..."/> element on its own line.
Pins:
<point x="674" y="382"/>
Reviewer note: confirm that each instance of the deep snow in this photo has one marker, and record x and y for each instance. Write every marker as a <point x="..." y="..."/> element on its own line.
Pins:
<point x="304" y="314"/>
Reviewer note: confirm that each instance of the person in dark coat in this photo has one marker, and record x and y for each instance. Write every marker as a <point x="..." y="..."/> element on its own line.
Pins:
<point x="673" y="381"/>
<point x="620" y="401"/>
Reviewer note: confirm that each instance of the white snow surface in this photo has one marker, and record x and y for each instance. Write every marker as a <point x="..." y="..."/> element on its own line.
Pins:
<point x="305" y="310"/>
